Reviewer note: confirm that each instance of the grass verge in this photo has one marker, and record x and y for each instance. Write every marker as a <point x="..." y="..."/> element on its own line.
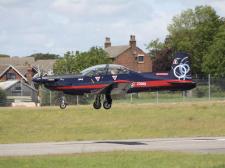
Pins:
<point x="123" y="121"/>
<point x="118" y="160"/>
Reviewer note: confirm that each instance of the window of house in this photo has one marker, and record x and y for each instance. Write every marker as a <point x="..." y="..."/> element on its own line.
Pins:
<point x="10" y="75"/>
<point x="18" y="88"/>
<point x="140" y="58"/>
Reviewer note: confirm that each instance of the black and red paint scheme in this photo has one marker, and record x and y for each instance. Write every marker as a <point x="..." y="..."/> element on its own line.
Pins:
<point x="109" y="79"/>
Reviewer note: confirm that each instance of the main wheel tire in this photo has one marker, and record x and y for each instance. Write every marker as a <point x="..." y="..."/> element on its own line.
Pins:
<point x="107" y="105"/>
<point x="97" y="105"/>
<point x="62" y="105"/>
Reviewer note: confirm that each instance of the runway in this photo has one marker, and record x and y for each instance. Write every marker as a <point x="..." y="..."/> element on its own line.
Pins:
<point x="193" y="145"/>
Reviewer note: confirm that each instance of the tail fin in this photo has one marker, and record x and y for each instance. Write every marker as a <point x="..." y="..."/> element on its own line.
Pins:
<point x="180" y="68"/>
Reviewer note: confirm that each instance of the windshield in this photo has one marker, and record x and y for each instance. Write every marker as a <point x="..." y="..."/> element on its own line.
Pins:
<point x="117" y="69"/>
<point x="94" y="70"/>
<point x="104" y="69"/>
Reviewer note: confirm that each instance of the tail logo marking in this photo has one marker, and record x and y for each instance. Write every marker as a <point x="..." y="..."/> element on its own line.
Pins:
<point x="182" y="69"/>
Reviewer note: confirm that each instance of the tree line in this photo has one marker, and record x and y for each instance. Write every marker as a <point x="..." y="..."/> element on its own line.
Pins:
<point x="37" y="56"/>
<point x="74" y="62"/>
<point x="199" y="32"/>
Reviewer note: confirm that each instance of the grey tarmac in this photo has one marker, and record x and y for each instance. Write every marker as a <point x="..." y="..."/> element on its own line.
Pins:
<point x="191" y="144"/>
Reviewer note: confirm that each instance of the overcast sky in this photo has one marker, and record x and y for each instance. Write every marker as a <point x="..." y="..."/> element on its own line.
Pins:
<point x="57" y="26"/>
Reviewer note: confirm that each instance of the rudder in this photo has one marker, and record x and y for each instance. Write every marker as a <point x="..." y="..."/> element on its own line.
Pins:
<point x="180" y="68"/>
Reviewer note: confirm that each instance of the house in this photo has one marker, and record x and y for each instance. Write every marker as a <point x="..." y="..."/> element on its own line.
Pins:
<point x="19" y="92"/>
<point x="11" y="72"/>
<point x="129" y="55"/>
<point x="16" y="81"/>
<point x="17" y="61"/>
<point x="44" y="65"/>
<point x="16" y="75"/>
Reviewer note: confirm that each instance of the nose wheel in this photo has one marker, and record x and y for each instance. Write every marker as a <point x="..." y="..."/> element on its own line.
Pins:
<point x="107" y="103"/>
<point x="63" y="103"/>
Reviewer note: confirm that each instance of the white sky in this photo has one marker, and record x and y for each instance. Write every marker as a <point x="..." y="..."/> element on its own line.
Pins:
<point x="57" y="26"/>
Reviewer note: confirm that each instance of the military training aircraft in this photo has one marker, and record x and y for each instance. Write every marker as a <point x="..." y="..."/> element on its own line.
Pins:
<point x="109" y="79"/>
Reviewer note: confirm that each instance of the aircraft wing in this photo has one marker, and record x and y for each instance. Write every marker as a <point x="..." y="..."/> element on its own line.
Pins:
<point x="117" y="87"/>
<point x="181" y="82"/>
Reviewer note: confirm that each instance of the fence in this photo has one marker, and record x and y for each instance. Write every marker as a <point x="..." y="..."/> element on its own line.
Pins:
<point x="208" y="88"/>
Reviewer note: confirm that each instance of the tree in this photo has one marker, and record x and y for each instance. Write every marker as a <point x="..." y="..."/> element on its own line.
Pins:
<point x="41" y="56"/>
<point x="65" y="64"/>
<point x="214" y="60"/>
<point x="154" y="47"/>
<point x="161" y="55"/>
<point x="4" y="55"/>
<point x="193" y="32"/>
<point x="162" y="61"/>
<point x="75" y="62"/>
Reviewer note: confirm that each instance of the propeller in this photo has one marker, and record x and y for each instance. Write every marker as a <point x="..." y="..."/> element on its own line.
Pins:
<point x="38" y="81"/>
<point x="39" y="74"/>
<point x="37" y="78"/>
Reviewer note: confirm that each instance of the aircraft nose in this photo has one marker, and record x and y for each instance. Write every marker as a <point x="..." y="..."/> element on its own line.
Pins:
<point x="36" y="80"/>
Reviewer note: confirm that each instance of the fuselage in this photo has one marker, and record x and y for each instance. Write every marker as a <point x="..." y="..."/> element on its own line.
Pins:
<point x="139" y="82"/>
<point x="109" y="79"/>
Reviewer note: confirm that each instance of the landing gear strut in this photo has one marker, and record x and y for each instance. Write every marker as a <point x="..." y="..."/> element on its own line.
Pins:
<point x="63" y="103"/>
<point x="107" y="103"/>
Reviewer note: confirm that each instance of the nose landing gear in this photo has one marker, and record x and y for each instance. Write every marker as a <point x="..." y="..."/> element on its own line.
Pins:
<point x="63" y="103"/>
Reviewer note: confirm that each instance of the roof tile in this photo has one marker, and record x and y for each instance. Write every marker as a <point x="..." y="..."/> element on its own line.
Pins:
<point x="115" y="51"/>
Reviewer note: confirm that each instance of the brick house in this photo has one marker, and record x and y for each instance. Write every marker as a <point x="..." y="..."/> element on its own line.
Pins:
<point x="26" y="65"/>
<point x="18" y="91"/>
<point x="16" y="78"/>
<point x="16" y="81"/>
<point x="130" y="55"/>
<point x="11" y="72"/>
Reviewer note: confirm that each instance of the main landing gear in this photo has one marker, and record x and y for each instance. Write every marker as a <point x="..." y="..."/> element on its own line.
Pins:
<point x="107" y="103"/>
<point x="63" y="103"/>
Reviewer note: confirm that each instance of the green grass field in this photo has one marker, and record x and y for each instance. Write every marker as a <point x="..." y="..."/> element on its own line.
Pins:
<point x="118" y="160"/>
<point x="123" y="121"/>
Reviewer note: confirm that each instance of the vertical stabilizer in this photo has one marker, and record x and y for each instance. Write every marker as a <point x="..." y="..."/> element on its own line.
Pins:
<point x="180" y="68"/>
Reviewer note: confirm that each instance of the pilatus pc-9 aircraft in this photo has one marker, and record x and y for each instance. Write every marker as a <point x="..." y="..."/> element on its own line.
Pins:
<point x="109" y="79"/>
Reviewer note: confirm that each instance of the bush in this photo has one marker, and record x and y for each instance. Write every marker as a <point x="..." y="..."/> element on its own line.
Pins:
<point x="2" y="98"/>
<point x="203" y="91"/>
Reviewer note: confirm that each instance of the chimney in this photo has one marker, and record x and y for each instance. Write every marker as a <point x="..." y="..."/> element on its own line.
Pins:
<point x="29" y="74"/>
<point x="132" y="41"/>
<point x="107" y="42"/>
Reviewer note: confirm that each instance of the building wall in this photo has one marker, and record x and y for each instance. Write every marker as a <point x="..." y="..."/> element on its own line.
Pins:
<point x="129" y="59"/>
<point x="22" y="90"/>
<point x="29" y="75"/>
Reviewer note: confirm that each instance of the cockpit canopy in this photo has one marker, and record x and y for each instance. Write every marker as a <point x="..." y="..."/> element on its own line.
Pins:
<point x="105" y="69"/>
